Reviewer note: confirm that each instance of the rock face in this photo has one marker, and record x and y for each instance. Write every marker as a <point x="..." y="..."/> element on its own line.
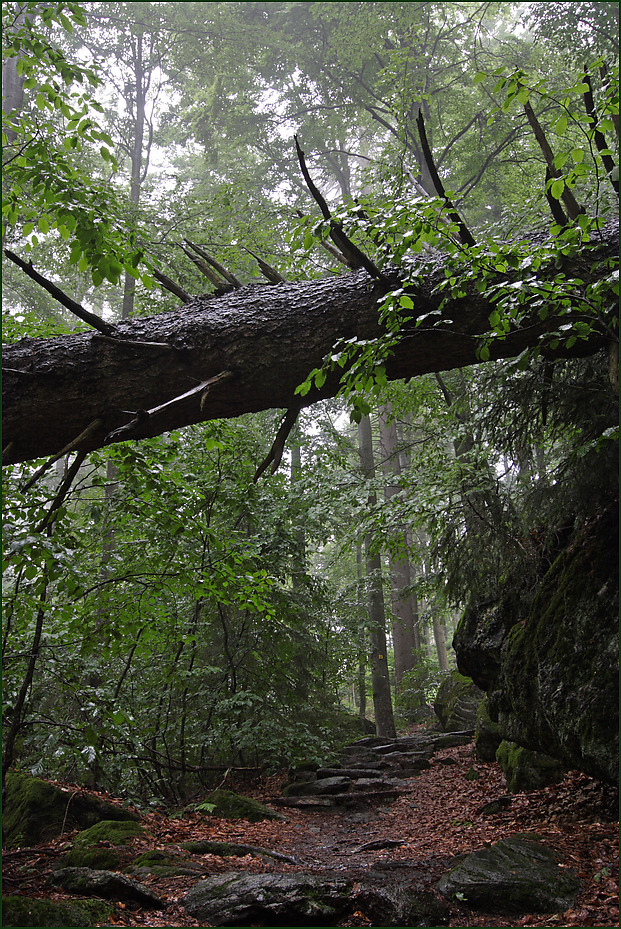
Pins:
<point x="242" y="899"/>
<point x="516" y="875"/>
<point x="549" y="662"/>
<point x="35" y="811"/>
<point x="457" y="702"/>
<point x="487" y="736"/>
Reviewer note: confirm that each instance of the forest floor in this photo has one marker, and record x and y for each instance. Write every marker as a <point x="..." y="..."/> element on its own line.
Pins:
<point x="435" y="818"/>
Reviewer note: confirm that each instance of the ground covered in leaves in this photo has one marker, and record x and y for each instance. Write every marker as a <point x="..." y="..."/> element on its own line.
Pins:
<point x="438" y="815"/>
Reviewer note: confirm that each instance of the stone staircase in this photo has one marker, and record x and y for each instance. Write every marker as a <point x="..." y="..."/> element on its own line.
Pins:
<point x="370" y="769"/>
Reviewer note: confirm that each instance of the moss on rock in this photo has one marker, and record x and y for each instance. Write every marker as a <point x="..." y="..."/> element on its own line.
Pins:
<point x="108" y="830"/>
<point x="516" y="875"/>
<point x="35" y="811"/>
<point x="161" y="863"/>
<point x="527" y="770"/>
<point x="103" y="858"/>
<point x="456" y="702"/>
<point x="559" y="689"/>
<point x="548" y="656"/>
<point x="24" y="911"/>
<point x="229" y="805"/>
<point x="487" y="736"/>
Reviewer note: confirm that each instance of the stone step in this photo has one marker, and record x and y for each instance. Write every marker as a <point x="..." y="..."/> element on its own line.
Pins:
<point x="349" y="772"/>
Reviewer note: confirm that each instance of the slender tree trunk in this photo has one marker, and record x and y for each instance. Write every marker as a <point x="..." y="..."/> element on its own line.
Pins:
<point x="299" y="561"/>
<point x="129" y="284"/>
<point x="12" y="81"/>
<point x="382" y="700"/>
<point x="440" y="640"/>
<point x="362" y="650"/>
<point x="404" y="605"/>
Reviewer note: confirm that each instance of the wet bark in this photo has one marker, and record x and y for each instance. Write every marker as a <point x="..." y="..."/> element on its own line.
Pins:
<point x="382" y="700"/>
<point x="268" y="337"/>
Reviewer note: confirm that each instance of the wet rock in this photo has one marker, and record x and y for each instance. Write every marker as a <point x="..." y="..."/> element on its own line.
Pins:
<point x="229" y="805"/>
<point x="106" y="884"/>
<point x="457" y="702"/>
<point x="549" y="658"/>
<point x="526" y="770"/>
<point x="487" y="736"/>
<point x="331" y="785"/>
<point x="242" y="899"/>
<point x="516" y="875"/>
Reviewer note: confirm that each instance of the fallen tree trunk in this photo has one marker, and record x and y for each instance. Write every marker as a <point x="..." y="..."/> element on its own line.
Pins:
<point x="255" y="345"/>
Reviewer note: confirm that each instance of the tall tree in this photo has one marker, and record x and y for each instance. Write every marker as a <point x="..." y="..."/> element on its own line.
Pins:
<point x="382" y="700"/>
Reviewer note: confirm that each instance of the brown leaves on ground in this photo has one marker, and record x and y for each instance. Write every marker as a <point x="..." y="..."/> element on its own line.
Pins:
<point x="439" y="815"/>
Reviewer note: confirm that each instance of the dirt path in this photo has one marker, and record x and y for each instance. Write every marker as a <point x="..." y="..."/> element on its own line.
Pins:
<point x="437" y="816"/>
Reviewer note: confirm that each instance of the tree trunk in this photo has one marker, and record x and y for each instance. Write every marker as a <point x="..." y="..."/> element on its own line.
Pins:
<point x="440" y="639"/>
<point x="299" y="555"/>
<point x="404" y="606"/>
<point x="382" y="701"/>
<point x="268" y="337"/>
<point x="362" y="665"/>
<point x="137" y="174"/>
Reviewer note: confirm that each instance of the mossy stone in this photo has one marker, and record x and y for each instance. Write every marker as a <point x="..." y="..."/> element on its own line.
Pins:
<point x="487" y="735"/>
<point x="527" y="770"/>
<point x="162" y="864"/>
<point x="516" y="875"/>
<point x="456" y="702"/>
<point x="35" y="811"/>
<point x="109" y="831"/>
<point x="560" y="673"/>
<point x="24" y="911"/>
<point x="229" y="805"/>
<point x="106" y="859"/>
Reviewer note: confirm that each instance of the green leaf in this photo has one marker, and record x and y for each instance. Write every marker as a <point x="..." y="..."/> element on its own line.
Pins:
<point x="205" y="807"/>
<point x="479" y="77"/>
<point x="557" y="188"/>
<point x="406" y="302"/>
<point x="561" y="125"/>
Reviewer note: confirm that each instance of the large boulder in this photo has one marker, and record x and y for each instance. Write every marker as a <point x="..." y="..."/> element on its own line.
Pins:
<point x="107" y="884"/>
<point x="238" y="898"/>
<point x="550" y="661"/>
<point x="457" y="702"/>
<point x="36" y="811"/>
<point x="87" y="852"/>
<point x="516" y="875"/>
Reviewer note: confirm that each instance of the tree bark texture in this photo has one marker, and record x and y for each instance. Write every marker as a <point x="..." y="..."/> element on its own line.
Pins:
<point x="404" y="606"/>
<point x="267" y="336"/>
<point x="382" y="699"/>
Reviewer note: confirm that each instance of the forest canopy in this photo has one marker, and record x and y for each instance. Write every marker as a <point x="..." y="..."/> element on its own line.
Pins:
<point x="216" y="215"/>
